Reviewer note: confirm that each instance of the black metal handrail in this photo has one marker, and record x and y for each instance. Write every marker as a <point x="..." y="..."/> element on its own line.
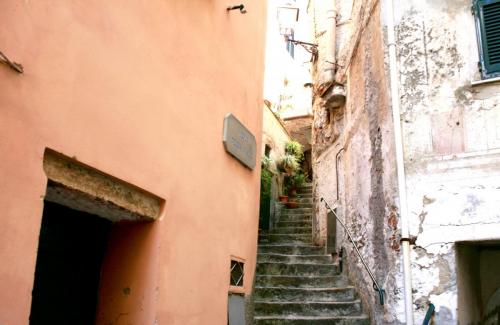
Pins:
<point x="428" y="315"/>
<point x="376" y="287"/>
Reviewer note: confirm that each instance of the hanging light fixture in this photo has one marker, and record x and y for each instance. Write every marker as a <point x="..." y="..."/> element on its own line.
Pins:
<point x="287" y="18"/>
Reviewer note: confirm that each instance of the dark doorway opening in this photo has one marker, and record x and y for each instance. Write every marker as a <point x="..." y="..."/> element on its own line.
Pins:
<point x="478" y="282"/>
<point x="71" y="248"/>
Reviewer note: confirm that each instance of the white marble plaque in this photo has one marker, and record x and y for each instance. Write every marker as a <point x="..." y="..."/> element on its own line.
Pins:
<point x="239" y="142"/>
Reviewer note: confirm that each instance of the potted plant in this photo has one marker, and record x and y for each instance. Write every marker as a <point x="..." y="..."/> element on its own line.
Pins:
<point x="292" y="204"/>
<point x="283" y="198"/>
<point x="294" y="148"/>
<point x="288" y="163"/>
<point x="298" y="179"/>
<point x="293" y="182"/>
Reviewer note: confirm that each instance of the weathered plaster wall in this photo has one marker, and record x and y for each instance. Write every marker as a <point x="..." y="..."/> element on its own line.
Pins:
<point x="451" y="144"/>
<point x="139" y="92"/>
<point x="363" y="128"/>
<point x="275" y="135"/>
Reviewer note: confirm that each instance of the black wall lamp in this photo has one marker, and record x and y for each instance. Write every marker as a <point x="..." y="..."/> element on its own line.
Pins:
<point x="240" y="7"/>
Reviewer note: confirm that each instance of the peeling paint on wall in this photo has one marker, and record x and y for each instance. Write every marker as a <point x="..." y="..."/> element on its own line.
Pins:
<point x="451" y="147"/>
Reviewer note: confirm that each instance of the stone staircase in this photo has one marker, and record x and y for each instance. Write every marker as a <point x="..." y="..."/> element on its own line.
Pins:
<point x="296" y="283"/>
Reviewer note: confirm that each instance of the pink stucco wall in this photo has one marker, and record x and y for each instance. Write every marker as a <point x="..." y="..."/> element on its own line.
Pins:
<point x="138" y="91"/>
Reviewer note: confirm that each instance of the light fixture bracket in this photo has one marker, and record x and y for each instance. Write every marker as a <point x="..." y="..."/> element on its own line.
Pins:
<point x="240" y="7"/>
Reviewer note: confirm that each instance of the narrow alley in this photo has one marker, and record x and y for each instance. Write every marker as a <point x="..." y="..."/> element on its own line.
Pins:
<point x="209" y="162"/>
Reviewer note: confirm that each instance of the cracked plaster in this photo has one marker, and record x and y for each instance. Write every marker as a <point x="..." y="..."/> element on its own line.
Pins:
<point x="451" y="146"/>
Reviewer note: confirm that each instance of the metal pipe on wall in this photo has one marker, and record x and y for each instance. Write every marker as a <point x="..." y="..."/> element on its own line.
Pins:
<point x="328" y="10"/>
<point x="337" y="172"/>
<point x="396" y="115"/>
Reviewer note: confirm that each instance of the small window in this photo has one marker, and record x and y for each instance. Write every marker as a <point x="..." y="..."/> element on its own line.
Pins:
<point x="237" y="268"/>
<point x="236" y="295"/>
<point x="267" y="150"/>
<point x="487" y="14"/>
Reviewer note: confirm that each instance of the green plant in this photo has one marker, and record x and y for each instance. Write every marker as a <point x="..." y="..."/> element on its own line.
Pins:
<point x="265" y="162"/>
<point x="288" y="163"/>
<point x="294" y="148"/>
<point x="294" y="181"/>
<point x="266" y="178"/>
<point x="298" y="179"/>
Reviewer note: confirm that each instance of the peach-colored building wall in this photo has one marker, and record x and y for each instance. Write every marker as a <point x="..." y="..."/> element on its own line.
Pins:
<point x="138" y="91"/>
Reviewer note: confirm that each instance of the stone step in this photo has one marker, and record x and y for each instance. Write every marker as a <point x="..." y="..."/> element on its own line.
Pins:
<point x="311" y="320"/>
<point x="295" y="281"/>
<point x="300" y="294"/>
<point x="304" y="190"/>
<point x="294" y="224"/>
<point x="291" y="249"/>
<point x="307" y="211"/>
<point x="301" y="281"/>
<point x="296" y="217"/>
<point x="276" y="268"/>
<point x="302" y="259"/>
<point x="308" y="308"/>
<point x="302" y="200"/>
<point x="308" y="205"/>
<point x="285" y="238"/>
<point x="303" y="195"/>
<point x="292" y="230"/>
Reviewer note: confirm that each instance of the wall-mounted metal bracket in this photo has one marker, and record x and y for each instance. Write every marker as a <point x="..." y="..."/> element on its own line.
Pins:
<point x="13" y="65"/>
<point x="240" y="7"/>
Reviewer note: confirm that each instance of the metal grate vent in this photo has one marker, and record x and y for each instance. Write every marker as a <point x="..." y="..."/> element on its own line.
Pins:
<point x="237" y="273"/>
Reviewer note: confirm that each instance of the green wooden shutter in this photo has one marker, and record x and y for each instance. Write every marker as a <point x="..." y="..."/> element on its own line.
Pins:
<point x="488" y="21"/>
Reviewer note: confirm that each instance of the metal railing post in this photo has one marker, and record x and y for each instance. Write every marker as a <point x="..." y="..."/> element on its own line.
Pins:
<point x="376" y="286"/>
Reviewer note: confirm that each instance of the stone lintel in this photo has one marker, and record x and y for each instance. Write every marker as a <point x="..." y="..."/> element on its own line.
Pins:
<point x="83" y="188"/>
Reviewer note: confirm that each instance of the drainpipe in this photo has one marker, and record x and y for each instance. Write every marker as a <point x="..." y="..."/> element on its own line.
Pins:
<point x="327" y="71"/>
<point x="396" y="115"/>
<point x="337" y="172"/>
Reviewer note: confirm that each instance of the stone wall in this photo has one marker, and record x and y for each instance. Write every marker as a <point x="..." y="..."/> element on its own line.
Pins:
<point x="300" y="130"/>
<point x="451" y="144"/>
<point x="355" y="142"/>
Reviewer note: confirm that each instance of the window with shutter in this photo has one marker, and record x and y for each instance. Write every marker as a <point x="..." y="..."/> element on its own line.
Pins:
<point x="488" y="29"/>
